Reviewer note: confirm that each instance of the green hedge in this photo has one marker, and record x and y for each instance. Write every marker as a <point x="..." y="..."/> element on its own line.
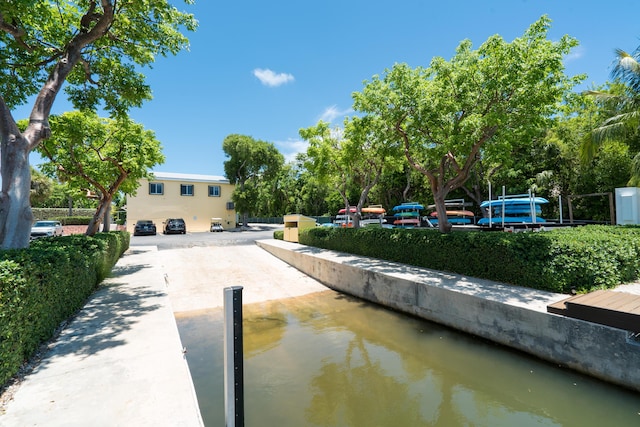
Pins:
<point x="73" y="220"/>
<point x="51" y="213"/>
<point x="581" y="258"/>
<point x="45" y="284"/>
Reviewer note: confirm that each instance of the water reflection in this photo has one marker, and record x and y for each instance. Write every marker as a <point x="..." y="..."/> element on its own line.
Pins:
<point x="330" y="360"/>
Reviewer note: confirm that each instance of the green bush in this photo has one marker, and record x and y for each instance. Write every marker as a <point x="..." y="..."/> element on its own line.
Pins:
<point x="56" y="213"/>
<point x="45" y="284"/>
<point x="580" y="259"/>
<point x="278" y="234"/>
<point x="73" y="220"/>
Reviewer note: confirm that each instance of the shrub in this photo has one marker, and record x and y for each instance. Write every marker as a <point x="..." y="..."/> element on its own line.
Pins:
<point x="73" y="220"/>
<point x="45" y="284"/>
<point x="581" y="258"/>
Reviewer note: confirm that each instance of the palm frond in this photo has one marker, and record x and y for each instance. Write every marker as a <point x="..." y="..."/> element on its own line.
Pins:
<point x="589" y="147"/>
<point x="627" y="70"/>
<point x="634" y="180"/>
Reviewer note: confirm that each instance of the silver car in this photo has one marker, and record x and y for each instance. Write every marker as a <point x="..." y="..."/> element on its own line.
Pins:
<point x="46" y="229"/>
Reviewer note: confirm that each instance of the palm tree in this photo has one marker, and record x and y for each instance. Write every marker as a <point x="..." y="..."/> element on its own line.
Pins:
<point x="622" y="106"/>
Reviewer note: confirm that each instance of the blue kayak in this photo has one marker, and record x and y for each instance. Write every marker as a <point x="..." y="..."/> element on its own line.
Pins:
<point x="408" y="206"/>
<point x="516" y="209"/>
<point x="510" y="220"/>
<point x="519" y="201"/>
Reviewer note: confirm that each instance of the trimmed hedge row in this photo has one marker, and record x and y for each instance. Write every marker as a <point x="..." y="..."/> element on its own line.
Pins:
<point x="50" y="213"/>
<point x="73" y="220"/>
<point x="578" y="259"/>
<point x="45" y="284"/>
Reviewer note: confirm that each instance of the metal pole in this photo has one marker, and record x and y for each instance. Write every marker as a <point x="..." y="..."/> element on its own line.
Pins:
<point x="560" y="205"/>
<point x="532" y="207"/>
<point x="504" y="196"/>
<point x="490" y="207"/>
<point x="233" y="358"/>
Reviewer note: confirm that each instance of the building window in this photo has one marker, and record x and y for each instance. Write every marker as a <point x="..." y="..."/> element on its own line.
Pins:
<point x="156" y="188"/>
<point x="214" y="191"/>
<point x="186" y="189"/>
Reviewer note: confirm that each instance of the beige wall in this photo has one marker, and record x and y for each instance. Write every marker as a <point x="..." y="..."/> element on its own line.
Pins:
<point x="196" y="210"/>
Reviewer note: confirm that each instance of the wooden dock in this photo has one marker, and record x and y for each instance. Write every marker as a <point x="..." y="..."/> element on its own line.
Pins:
<point x="617" y="309"/>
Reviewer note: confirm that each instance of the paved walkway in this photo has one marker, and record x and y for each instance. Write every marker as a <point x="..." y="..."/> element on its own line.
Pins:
<point x="120" y="361"/>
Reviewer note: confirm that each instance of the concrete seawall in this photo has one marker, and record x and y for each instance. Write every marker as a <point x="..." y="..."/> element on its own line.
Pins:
<point x="513" y="316"/>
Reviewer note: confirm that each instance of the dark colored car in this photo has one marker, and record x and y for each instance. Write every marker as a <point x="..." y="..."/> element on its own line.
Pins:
<point x="144" y="227"/>
<point x="175" y="225"/>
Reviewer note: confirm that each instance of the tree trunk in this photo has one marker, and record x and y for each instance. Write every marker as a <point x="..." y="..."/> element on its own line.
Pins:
<point x="94" y="224"/>
<point x="15" y="208"/>
<point x="106" y="220"/>
<point x="443" y="222"/>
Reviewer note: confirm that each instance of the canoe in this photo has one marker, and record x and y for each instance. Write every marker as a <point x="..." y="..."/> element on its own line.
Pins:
<point x="459" y="221"/>
<point x="407" y="214"/>
<point x="407" y="221"/>
<point x="454" y="213"/>
<point x="408" y="206"/>
<point x="517" y="209"/>
<point x="510" y="220"/>
<point x="515" y="201"/>
<point x="369" y="210"/>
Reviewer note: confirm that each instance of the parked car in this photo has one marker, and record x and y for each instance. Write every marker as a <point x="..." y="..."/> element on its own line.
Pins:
<point x="46" y="229"/>
<point x="174" y="225"/>
<point x="144" y="227"/>
<point x="216" y="224"/>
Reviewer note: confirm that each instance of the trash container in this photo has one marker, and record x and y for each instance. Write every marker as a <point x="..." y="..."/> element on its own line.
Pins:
<point x="294" y="223"/>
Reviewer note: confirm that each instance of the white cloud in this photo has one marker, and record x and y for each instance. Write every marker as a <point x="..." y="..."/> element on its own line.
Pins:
<point x="575" y="54"/>
<point x="331" y="113"/>
<point x="291" y="148"/>
<point x="269" y="78"/>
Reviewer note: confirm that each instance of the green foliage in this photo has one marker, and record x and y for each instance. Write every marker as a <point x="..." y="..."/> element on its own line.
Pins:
<point x="619" y="103"/>
<point x="481" y="104"/>
<point x="45" y="284"/>
<point x="278" y="234"/>
<point x="111" y="39"/>
<point x="95" y="50"/>
<point x="99" y="155"/>
<point x="73" y="220"/>
<point x="582" y="259"/>
<point x="77" y="217"/>
<point x="250" y="163"/>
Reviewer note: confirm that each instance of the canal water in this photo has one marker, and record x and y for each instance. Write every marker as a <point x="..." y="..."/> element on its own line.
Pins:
<point x="327" y="359"/>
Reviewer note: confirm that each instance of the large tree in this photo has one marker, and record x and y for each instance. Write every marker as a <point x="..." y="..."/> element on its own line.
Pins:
<point x="622" y="100"/>
<point x="96" y="46"/>
<point x="353" y="157"/>
<point x="477" y="105"/>
<point x="100" y="156"/>
<point x="250" y="162"/>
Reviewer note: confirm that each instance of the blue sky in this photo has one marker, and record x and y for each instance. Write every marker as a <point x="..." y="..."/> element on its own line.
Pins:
<point x="268" y="68"/>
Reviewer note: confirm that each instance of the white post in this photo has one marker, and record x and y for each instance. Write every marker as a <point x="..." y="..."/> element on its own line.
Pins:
<point x="490" y="207"/>
<point x="532" y="207"/>
<point x="504" y="195"/>
<point x="560" y="206"/>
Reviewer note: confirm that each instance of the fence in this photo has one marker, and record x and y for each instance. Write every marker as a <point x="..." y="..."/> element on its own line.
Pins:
<point x="280" y="219"/>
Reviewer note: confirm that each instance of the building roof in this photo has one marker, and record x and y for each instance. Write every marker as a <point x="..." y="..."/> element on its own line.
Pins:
<point x="171" y="176"/>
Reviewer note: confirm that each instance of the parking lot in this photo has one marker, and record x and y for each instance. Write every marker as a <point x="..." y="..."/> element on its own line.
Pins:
<point x="204" y="239"/>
